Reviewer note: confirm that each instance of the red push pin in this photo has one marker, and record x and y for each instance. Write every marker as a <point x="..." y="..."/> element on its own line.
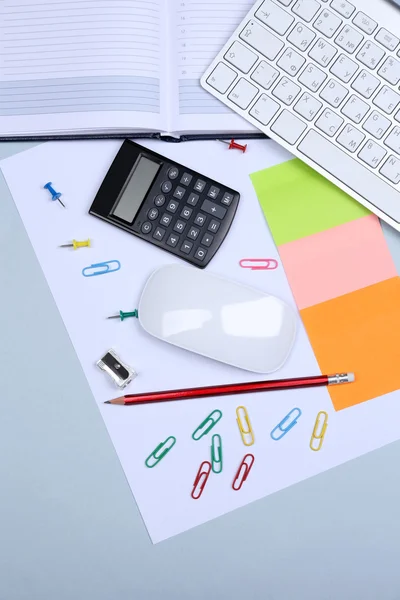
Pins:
<point x="233" y="144"/>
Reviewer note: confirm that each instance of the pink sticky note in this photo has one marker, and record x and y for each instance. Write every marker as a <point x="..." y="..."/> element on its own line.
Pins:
<point x="337" y="261"/>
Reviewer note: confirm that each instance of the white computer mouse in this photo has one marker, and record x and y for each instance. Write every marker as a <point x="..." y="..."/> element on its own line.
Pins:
<point x="218" y="318"/>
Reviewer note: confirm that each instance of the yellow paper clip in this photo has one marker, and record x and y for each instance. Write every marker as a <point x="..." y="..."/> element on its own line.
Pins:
<point x="75" y="244"/>
<point x="246" y="430"/>
<point x="318" y="425"/>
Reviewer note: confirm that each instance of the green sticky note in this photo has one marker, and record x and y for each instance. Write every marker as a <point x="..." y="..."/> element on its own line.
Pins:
<point x="297" y="201"/>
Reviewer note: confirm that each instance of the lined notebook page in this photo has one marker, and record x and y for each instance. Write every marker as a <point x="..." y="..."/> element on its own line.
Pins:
<point x="61" y="56"/>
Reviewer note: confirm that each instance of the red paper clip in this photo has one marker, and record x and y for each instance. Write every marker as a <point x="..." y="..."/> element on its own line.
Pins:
<point x="242" y="477"/>
<point x="233" y="144"/>
<point x="201" y="478"/>
<point x="255" y="264"/>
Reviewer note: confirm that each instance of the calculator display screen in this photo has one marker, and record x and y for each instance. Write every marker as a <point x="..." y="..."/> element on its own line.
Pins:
<point x="135" y="189"/>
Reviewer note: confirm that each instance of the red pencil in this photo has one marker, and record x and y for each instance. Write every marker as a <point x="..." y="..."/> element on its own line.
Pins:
<point x="233" y="388"/>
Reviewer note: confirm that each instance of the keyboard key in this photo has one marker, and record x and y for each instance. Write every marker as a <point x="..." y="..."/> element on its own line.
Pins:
<point x="261" y="40"/>
<point x="193" y="233"/>
<point x="387" y="39"/>
<point x="327" y="23"/>
<point x="286" y="91"/>
<point x="343" y="7"/>
<point x="240" y="57"/>
<point x="350" y="138"/>
<point x="352" y="173"/>
<point x="312" y="77"/>
<point x="329" y="122"/>
<point x="172" y="240"/>
<point x="387" y="100"/>
<point x="301" y="37"/>
<point x="390" y="71"/>
<point x="307" y="106"/>
<point x="200" y="253"/>
<point x="179" y="226"/>
<point x="376" y="124"/>
<point x="391" y="169"/>
<point x="227" y="199"/>
<point x="349" y="39"/>
<point x="344" y="68"/>
<point x="306" y="9"/>
<point x="370" y="55"/>
<point x="213" y="226"/>
<point x="275" y="17"/>
<point x="334" y="93"/>
<point x="173" y="173"/>
<point x="166" y="187"/>
<point x="213" y="192"/>
<point x="207" y="239"/>
<point x="186" y="212"/>
<point x="165" y="220"/>
<point x="146" y="227"/>
<point x="186" y="247"/>
<point x="322" y="52"/>
<point x="179" y="192"/>
<point x="172" y="206"/>
<point x="159" y="200"/>
<point x="159" y="234"/>
<point x="365" y="84"/>
<point x="152" y="214"/>
<point x="200" y="220"/>
<point x="288" y="127"/>
<point x="355" y="109"/>
<point x="199" y="186"/>
<point x="193" y="199"/>
<point x="285" y="2"/>
<point x="291" y="62"/>
<point x="221" y="78"/>
<point x="265" y="75"/>
<point x="372" y="154"/>
<point x="243" y="93"/>
<point x="365" y="23"/>
<point x="393" y="140"/>
<point x="213" y="209"/>
<point x="264" y="109"/>
<point x="186" y="179"/>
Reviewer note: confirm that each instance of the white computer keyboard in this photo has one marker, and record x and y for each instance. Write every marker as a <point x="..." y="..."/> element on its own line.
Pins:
<point x="321" y="77"/>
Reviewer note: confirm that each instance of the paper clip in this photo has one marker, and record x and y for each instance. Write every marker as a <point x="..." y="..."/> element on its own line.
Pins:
<point x="286" y="424"/>
<point x="241" y="474"/>
<point x="258" y="264"/>
<point x="208" y="423"/>
<point x="216" y="453"/>
<point x="319" y="436"/>
<point x="201" y="480"/>
<point x="161" y="450"/>
<point x="246" y="430"/>
<point x="101" y="268"/>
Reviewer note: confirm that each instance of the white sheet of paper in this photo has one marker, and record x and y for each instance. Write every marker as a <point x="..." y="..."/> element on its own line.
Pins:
<point x="163" y="493"/>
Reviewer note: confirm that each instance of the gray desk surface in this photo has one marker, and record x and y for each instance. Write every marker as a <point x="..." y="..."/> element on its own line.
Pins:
<point x="69" y="526"/>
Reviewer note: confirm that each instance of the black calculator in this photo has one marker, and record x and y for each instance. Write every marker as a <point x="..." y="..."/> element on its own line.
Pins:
<point x="166" y="204"/>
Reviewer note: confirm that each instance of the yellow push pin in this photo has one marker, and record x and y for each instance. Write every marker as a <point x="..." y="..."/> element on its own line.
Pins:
<point x="75" y="244"/>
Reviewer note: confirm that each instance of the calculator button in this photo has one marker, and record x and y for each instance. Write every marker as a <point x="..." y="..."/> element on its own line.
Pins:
<point x="213" y="192"/>
<point x="173" y="173"/>
<point x="186" y="179"/>
<point x="165" y="220"/>
<point x="159" y="200"/>
<point x="146" y="227"/>
<point x="179" y="192"/>
<point x="193" y="233"/>
<point x="186" y="212"/>
<point x="152" y="214"/>
<point x="172" y="240"/>
<point x="214" y="226"/>
<point x="166" y="187"/>
<point x="200" y="253"/>
<point x="159" y="233"/>
<point x="179" y="226"/>
<point x="186" y="247"/>
<point x="207" y="239"/>
<point x="199" y="185"/>
<point x="227" y="199"/>
<point x="193" y="199"/>
<point x="172" y="206"/>
<point x="200" y="219"/>
<point x="213" y="209"/>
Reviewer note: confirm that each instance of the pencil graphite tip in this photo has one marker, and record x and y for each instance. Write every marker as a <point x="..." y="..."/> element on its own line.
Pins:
<point x="120" y="400"/>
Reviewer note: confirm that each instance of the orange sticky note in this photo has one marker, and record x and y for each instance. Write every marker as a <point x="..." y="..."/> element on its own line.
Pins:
<point x="358" y="332"/>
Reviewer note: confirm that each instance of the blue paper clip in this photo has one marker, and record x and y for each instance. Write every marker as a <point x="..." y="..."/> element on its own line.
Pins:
<point x="286" y="424"/>
<point x="101" y="268"/>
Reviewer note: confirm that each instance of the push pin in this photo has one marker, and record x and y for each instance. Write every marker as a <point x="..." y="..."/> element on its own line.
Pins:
<point x="54" y="195"/>
<point x="75" y="244"/>
<point x="125" y="315"/>
<point x="233" y="144"/>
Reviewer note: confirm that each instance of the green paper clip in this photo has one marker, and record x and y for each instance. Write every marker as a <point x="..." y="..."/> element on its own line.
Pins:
<point x="165" y="449"/>
<point x="204" y="425"/>
<point x="216" y="453"/>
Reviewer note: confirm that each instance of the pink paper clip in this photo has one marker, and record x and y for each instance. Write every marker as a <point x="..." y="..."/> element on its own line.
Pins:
<point x="243" y="471"/>
<point x="257" y="264"/>
<point x="201" y="480"/>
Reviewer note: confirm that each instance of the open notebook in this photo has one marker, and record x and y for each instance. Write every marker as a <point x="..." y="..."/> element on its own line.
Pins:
<point x="113" y="68"/>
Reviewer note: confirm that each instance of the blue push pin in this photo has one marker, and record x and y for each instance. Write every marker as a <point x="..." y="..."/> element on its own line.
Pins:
<point x="54" y="195"/>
